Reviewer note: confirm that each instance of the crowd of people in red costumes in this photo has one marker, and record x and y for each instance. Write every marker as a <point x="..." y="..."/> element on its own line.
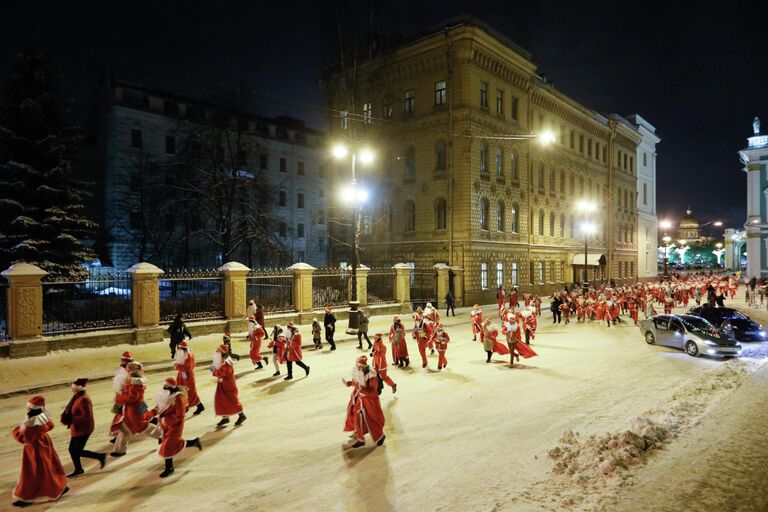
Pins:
<point x="43" y="477"/>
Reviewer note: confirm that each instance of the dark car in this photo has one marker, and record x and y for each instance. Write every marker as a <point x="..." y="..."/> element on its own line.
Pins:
<point x="741" y="326"/>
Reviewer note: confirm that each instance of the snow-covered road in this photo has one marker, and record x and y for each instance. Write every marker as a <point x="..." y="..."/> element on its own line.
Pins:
<point x="472" y="437"/>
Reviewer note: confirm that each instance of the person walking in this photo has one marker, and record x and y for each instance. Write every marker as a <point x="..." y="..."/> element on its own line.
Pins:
<point x="450" y="301"/>
<point x="132" y="417"/>
<point x="294" y="351"/>
<point x="379" y="361"/>
<point x="42" y="476"/>
<point x="362" y="329"/>
<point x="364" y="414"/>
<point x="277" y="345"/>
<point x="225" y="401"/>
<point x="171" y="404"/>
<point x="177" y="331"/>
<point x="256" y="337"/>
<point x="555" y="308"/>
<point x="185" y="368"/>
<point x="78" y="418"/>
<point x="330" y="326"/>
<point x="441" y="344"/>
<point x="316" y="334"/>
<point x="399" y="345"/>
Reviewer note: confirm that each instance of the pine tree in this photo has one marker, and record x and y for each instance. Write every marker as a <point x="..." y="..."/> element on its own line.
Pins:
<point x="41" y="199"/>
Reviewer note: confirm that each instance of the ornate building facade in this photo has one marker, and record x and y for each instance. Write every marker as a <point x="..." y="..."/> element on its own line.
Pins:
<point x="647" y="223"/>
<point x="459" y="178"/>
<point x="755" y="160"/>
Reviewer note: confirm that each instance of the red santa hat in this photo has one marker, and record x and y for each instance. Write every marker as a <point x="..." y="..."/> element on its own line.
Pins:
<point x="377" y="336"/>
<point x="223" y="348"/>
<point x="170" y="382"/>
<point x="183" y="345"/>
<point x="440" y="326"/>
<point x="362" y="361"/>
<point x="328" y="309"/>
<point x="291" y="325"/>
<point x="36" y="402"/>
<point x="127" y="357"/>
<point x="80" y="384"/>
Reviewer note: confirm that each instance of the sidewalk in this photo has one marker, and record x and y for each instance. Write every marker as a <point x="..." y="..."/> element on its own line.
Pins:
<point x="59" y="368"/>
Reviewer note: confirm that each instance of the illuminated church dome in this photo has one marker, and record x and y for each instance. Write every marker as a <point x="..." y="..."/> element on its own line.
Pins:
<point x="689" y="227"/>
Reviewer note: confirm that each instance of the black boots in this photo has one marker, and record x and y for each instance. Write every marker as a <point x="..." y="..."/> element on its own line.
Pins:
<point x="223" y="421"/>
<point x="168" y="468"/>
<point x="200" y="408"/>
<point x="195" y="443"/>
<point x="240" y="419"/>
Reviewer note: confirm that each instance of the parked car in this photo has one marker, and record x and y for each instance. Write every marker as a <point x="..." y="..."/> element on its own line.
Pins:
<point x="734" y="321"/>
<point x="690" y="333"/>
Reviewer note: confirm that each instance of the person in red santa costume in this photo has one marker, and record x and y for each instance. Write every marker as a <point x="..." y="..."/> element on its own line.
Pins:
<point x="565" y="311"/>
<point x="421" y="336"/>
<point x="399" y="346"/>
<point x="294" y="351"/>
<point x="379" y="361"/>
<point x="441" y="343"/>
<point x="364" y="414"/>
<point x="500" y="295"/>
<point x="513" y="299"/>
<point x="78" y="418"/>
<point x="530" y="325"/>
<point x="42" y="476"/>
<point x="185" y="366"/>
<point x="476" y="317"/>
<point x="225" y="401"/>
<point x="277" y="345"/>
<point x="121" y="375"/>
<point x="490" y="340"/>
<point x="133" y="416"/>
<point x="257" y="337"/>
<point x="431" y="314"/>
<point x="171" y="405"/>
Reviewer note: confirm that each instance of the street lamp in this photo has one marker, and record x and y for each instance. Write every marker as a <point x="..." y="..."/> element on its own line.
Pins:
<point x="666" y="241"/>
<point x="355" y="196"/>
<point x="588" y="228"/>
<point x="718" y="252"/>
<point x="546" y="138"/>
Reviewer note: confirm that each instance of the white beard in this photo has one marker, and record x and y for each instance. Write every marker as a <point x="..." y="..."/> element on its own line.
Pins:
<point x="161" y="399"/>
<point x="217" y="360"/>
<point x="361" y="378"/>
<point x="181" y="356"/>
<point x="119" y="379"/>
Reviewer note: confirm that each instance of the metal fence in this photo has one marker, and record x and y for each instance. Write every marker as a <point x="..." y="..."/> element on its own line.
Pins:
<point x="4" y="336"/>
<point x="423" y="287"/>
<point x="331" y="287"/>
<point x="272" y="288"/>
<point x="195" y="295"/>
<point x="381" y="286"/>
<point x="100" y="301"/>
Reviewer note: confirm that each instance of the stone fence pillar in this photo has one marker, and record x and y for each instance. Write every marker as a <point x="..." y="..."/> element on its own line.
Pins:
<point x="235" y="295"/>
<point x="302" y="288"/>
<point x="443" y="277"/>
<point x="458" y="285"/>
<point x="362" y="284"/>
<point x="145" y="299"/>
<point x="403" y="285"/>
<point x="25" y="310"/>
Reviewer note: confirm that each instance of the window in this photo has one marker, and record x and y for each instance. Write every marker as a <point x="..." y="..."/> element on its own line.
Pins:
<point x="321" y="243"/>
<point x="170" y="145"/>
<point x="300" y="230"/>
<point x="541" y="222"/>
<point x="552" y="224"/>
<point x="581" y="144"/>
<point x="263" y="161"/>
<point x="570" y="228"/>
<point x="387" y="111"/>
<point x="483" y="157"/>
<point x="484" y="214"/>
<point x="282" y="230"/>
<point x="573" y="184"/>
<point x="440" y="156"/>
<point x="320" y="216"/>
<point x="300" y="200"/>
<point x="136" y="138"/>
<point x="410" y="215"/>
<point x="499" y="162"/>
<point x="540" y="272"/>
<point x="409" y="101"/>
<point x="562" y="182"/>
<point x="301" y="255"/>
<point x="500" y="216"/>
<point x="562" y="225"/>
<point x="541" y="177"/>
<point x="513" y="272"/>
<point x="410" y="162"/>
<point x="440" y="213"/>
<point x="484" y="94"/>
<point x="283" y="165"/>
<point x="500" y="102"/>
<point x="283" y="198"/>
<point x="499" y="274"/>
<point x="513" y="107"/>
<point x="484" y="276"/>
<point x="605" y="154"/>
<point x="572" y="139"/>
<point x="589" y="147"/>
<point x="365" y="220"/>
<point x="552" y="182"/>
<point x="645" y="159"/>
<point x="645" y="193"/>
<point x="300" y="168"/>
<point x="367" y="112"/>
<point x="513" y="219"/>
<point x="440" y="92"/>
<point x="513" y="166"/>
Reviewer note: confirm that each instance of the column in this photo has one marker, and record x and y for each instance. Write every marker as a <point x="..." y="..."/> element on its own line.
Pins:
<point x="302" y="289"/>
<point x="403" y="285"/>
<point x="145" y="300"/>
<point x="458" y="285"/>
<point x="234" y="295"/>
<point x="442" y="283"/>
<point x="25" y="310"/>
<point x="728" y="258"/>
<point x="362" y="284"/>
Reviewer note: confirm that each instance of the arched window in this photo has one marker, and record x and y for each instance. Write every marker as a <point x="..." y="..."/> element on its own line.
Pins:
<point x="282" y="229"/>
<point x="562" y="182"/>
<point x="499" y="162"/>
<point x="500" y="216"/>
<point x="484" y="211"/>
<point x="440" y="213"/>
<point x="541" y="222"/>
<point x="513" y="166"/>
<point x="513" y="219"/>
<point x="441" y="161"/>
<point x="410" y="162"/>
<point x="409" y="211"/>
<point x="483" y="157"/>
<point x="552" y="182"/>
<point x="562" y="225"/>
<point x="541" y="177"/>
<point x="551" y="224"/>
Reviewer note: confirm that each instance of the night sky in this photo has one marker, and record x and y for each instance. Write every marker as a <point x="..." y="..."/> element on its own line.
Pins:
<point x="698" y="74"/>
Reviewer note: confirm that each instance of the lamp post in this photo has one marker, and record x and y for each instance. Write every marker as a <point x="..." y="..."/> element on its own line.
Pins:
<point x="588" y="228"/>
<point x="665" y="225"/>
<point x="718" y="252"/>
<point x="356" y="197"/>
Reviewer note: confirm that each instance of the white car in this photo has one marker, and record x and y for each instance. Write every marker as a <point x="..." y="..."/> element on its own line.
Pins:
<point x="690" y="333"/>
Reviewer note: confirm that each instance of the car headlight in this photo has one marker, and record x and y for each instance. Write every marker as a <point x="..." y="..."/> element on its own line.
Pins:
<point x="710" y="343"/>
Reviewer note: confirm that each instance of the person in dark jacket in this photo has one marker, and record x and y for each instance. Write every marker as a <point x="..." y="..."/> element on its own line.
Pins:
<point x="177" y="330"/>
<point x="450" y="302"/>
<point x="362" y="329"/>
<point x="78" y="417"/>
<point x="330" y="327"/>
<point x="260" y="316"/>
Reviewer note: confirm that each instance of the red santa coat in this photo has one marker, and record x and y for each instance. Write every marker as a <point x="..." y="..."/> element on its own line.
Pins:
<point x="379" y="361"/>
<point x="82" y="416"/>
<point x="134" y="413"/>
<point x="294" y="347"/>
<point x="364" y="414"/>
<point x="225" y="401"/>
<point x="257" y="337"/>
<point x="397" y="338"/>
<point x="279" y="348"/>
<point x="172" y="424"/>
<point x="477" y="322"/>
<point x="186" y="378"/>
<point x="42" y="476"/>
